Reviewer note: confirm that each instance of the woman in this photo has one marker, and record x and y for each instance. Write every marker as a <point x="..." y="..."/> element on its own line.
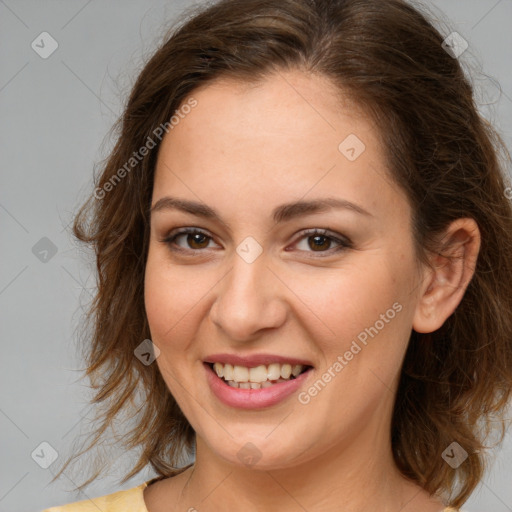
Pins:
<point x="303" y="239"/>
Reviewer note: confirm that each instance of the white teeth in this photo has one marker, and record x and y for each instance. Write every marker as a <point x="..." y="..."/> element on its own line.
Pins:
<point x="241" y="374"/>
<point x="227" y="372"/>
<point x="218" y="369"/>
<point x="258" y="377"/>
<point x="258" y="374"/>
<point x="296" y="369"/>
<point x="286" y="371"/>
<point x="274" y="371"/>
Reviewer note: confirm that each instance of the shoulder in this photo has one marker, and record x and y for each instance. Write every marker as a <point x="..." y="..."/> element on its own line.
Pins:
<point x="129" y="500"/>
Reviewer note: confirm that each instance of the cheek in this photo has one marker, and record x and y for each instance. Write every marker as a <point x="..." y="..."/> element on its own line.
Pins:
<point x="350" y="298"/>
<point x="366" y="320"/>
<point x="177" y="298"/>
<point x="170" y="295"/>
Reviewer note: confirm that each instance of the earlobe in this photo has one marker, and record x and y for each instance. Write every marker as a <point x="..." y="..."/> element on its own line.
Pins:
<point x="452" y="269"/>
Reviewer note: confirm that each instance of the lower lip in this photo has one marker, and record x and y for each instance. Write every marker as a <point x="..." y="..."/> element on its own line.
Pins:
<point x="253" y="398"/>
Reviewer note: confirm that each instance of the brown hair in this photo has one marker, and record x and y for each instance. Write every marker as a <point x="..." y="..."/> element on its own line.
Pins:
<point x="455" y="381"/>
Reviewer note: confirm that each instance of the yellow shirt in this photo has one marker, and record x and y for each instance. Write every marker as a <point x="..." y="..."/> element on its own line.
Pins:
<point x="131" y="500"/>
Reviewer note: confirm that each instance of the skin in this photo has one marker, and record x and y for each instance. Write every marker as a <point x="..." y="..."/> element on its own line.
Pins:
<point x="244" y="150"/>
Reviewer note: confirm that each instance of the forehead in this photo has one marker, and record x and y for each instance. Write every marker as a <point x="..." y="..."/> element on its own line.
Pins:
<point x="288" y="104"/>
<point x="288" y="135"/>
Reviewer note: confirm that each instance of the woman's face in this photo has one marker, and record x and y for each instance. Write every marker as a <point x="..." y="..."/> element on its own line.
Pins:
<point x="255" y="170"/>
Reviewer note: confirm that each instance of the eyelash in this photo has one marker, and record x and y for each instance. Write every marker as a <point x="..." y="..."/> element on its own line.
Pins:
<point x="344" y="243"/>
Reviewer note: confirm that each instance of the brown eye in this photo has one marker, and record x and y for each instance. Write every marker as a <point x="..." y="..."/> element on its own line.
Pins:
<point x="319" y="242"/>
<point x="188" y="239"/>
<point x="197" y="240"/>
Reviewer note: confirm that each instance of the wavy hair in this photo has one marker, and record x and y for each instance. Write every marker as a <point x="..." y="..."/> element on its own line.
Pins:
<point x="455" y="382"/>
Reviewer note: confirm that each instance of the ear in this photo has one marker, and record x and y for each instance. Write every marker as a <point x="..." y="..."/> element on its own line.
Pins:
<point x="453" y="267"/>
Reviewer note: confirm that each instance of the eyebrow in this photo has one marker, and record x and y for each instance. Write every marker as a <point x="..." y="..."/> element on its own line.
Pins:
<point x="282" y="213"/>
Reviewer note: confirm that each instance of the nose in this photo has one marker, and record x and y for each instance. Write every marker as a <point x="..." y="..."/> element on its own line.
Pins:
<point x="249" y="300"/>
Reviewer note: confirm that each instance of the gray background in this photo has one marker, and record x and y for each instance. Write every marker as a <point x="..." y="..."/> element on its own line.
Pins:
<point x="54" y="115"/>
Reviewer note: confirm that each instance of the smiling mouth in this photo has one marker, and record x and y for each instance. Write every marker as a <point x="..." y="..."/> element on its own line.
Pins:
<point x="262" y="376"/>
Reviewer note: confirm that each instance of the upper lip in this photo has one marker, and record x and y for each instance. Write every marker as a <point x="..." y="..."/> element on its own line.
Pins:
<point x="253" y="360"/>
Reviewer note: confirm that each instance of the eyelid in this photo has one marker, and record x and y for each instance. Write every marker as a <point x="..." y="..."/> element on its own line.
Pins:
<point x="323" y="232"/>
